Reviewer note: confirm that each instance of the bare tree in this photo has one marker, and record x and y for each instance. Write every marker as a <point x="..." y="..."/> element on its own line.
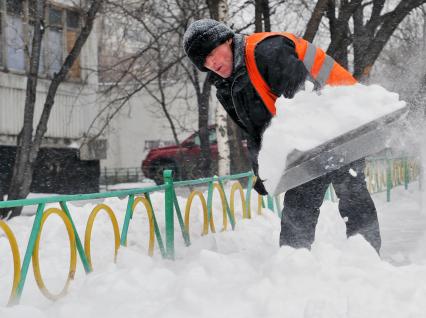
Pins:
<point x="365" y="25"/>
<point x="262" y="18"/>
<point x="315" y="20"/>
<point x="156" y="30"/>
<point x="28" y="145"/>
<point x="219" y="11"/>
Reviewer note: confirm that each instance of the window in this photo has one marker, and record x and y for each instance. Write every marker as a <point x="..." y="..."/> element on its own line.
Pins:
<point x="14" y="35"/>
<point x="73" y="25"/>
<point x="73" y="20"/>
<point x="212" y="138"/>
<point x="54" y="38"/>
<point x="197" y="140"/>
<point x="62" y="26"/>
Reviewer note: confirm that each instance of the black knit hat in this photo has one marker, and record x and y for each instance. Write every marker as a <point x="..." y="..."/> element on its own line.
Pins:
<point x="202" y="37"/>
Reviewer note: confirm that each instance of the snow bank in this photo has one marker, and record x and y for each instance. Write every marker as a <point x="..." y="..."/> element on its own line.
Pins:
<point x="312" y="118"/>
<point x="241" y="273"/>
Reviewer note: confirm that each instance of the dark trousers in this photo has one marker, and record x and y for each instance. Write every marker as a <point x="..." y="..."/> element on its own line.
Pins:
<point x="301" y="207"/>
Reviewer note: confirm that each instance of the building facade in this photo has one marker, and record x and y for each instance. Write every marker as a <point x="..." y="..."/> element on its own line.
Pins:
<point x="61" y="167"/>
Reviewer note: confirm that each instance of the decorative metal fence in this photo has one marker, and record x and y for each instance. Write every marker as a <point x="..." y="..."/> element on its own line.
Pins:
<point x="385" y="173"/>
<point x="135" y="197"/>
<point x="382" y="174"/>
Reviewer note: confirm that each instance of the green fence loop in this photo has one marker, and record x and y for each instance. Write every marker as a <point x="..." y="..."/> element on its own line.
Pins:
<point x="30" y="249"/>
<point x="210" y="202"/>
<point x="248" y="196"/>
<point x="80" y="248"/>
<point x="156" y="228"/>
<point x="270" y="202"/>
<point x="406" y="174"/>
<point x="185" y="234"/>
<point x="168" y="181"/>
<point x="127" y="217"/>
<point x="228" y="209"/>
<point x="388" y="180"/>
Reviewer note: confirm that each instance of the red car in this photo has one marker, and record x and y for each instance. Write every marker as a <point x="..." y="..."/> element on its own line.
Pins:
<point x="184" y="166"/>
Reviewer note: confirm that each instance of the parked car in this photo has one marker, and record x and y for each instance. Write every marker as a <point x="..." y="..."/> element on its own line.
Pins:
<point x="184" y="164"/>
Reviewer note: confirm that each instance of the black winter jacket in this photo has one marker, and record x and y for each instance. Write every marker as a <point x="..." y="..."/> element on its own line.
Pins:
<point x="279" y="66"/>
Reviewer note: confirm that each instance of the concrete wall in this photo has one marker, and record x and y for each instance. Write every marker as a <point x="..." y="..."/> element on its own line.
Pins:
<point x="141" y="120"/>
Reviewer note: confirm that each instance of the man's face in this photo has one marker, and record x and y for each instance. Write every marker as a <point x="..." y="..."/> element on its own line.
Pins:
<point x="220" y="60"/>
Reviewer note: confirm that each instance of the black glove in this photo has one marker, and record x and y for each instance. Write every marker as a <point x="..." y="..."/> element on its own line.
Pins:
<point x="259" y="187"/>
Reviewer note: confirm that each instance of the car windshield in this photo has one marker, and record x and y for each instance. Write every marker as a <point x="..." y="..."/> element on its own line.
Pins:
<point x="196" y="138"/>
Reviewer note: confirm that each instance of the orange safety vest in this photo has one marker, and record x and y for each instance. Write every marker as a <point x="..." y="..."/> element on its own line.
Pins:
<point x="323" y="68"/>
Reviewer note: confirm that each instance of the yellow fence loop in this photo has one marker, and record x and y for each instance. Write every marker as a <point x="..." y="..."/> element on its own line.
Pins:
<point x="224" y="217"/>
<point x="73" y="254"/>
<point x="89" y="227"/>
<point x="188" y="210"/>
<point x="16" y="259"/>
<point x="237" y="186"/>
<point x="149" y="211"/>
<point x="259" y="204"/>
<point x="259" y="199"/>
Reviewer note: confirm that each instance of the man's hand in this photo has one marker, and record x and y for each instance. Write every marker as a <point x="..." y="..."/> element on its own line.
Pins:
<point x="259" y="187"/>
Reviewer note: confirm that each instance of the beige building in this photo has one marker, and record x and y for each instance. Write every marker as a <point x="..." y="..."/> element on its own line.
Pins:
<point x="75" y="102"/>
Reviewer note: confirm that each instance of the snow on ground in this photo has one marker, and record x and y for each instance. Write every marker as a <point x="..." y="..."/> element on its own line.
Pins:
<point x="312" y="118"/>
<point x="241" y="273"/>
<point x="130" y="185"/>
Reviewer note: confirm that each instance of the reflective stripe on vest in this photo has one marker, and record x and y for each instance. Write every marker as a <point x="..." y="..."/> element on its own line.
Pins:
<point x="323" y="68"/>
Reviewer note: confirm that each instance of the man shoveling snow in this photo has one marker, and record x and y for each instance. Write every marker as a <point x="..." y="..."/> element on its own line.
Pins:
<point x="250" y="73"/>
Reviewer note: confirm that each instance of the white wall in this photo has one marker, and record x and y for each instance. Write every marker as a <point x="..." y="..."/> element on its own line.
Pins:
<point x="143" y="120"/>
<point x="74" y="105"/>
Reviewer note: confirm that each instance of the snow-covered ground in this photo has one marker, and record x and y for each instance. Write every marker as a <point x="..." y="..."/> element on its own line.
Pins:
<point x="241" y="273"/>
<point x="129" y="185"/>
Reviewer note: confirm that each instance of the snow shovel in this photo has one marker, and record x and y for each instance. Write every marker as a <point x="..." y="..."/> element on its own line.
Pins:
<point x="358" y="143"/>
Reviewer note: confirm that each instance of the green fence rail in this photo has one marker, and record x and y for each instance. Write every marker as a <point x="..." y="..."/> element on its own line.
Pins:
<point x="383" y="174"/>
<point x="135" y="197"/>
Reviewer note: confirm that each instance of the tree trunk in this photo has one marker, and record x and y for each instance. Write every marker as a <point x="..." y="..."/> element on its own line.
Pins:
<point x="239" y="160"/>
<point x="359" y="38"/>
<point x="315" y="20"/>
<point x="339" y="29"/>
<point x="203" y="127"/>
<point x="341" y="54"/>
<point x="340" y="25"/>
<point x="23" y="167"/>
<point x="258" y="26"/>
<point x="213" y="6"/>
<point x="262" y="16"/>
<point x="266" y="15"/>
<point x="224" y="158"/>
